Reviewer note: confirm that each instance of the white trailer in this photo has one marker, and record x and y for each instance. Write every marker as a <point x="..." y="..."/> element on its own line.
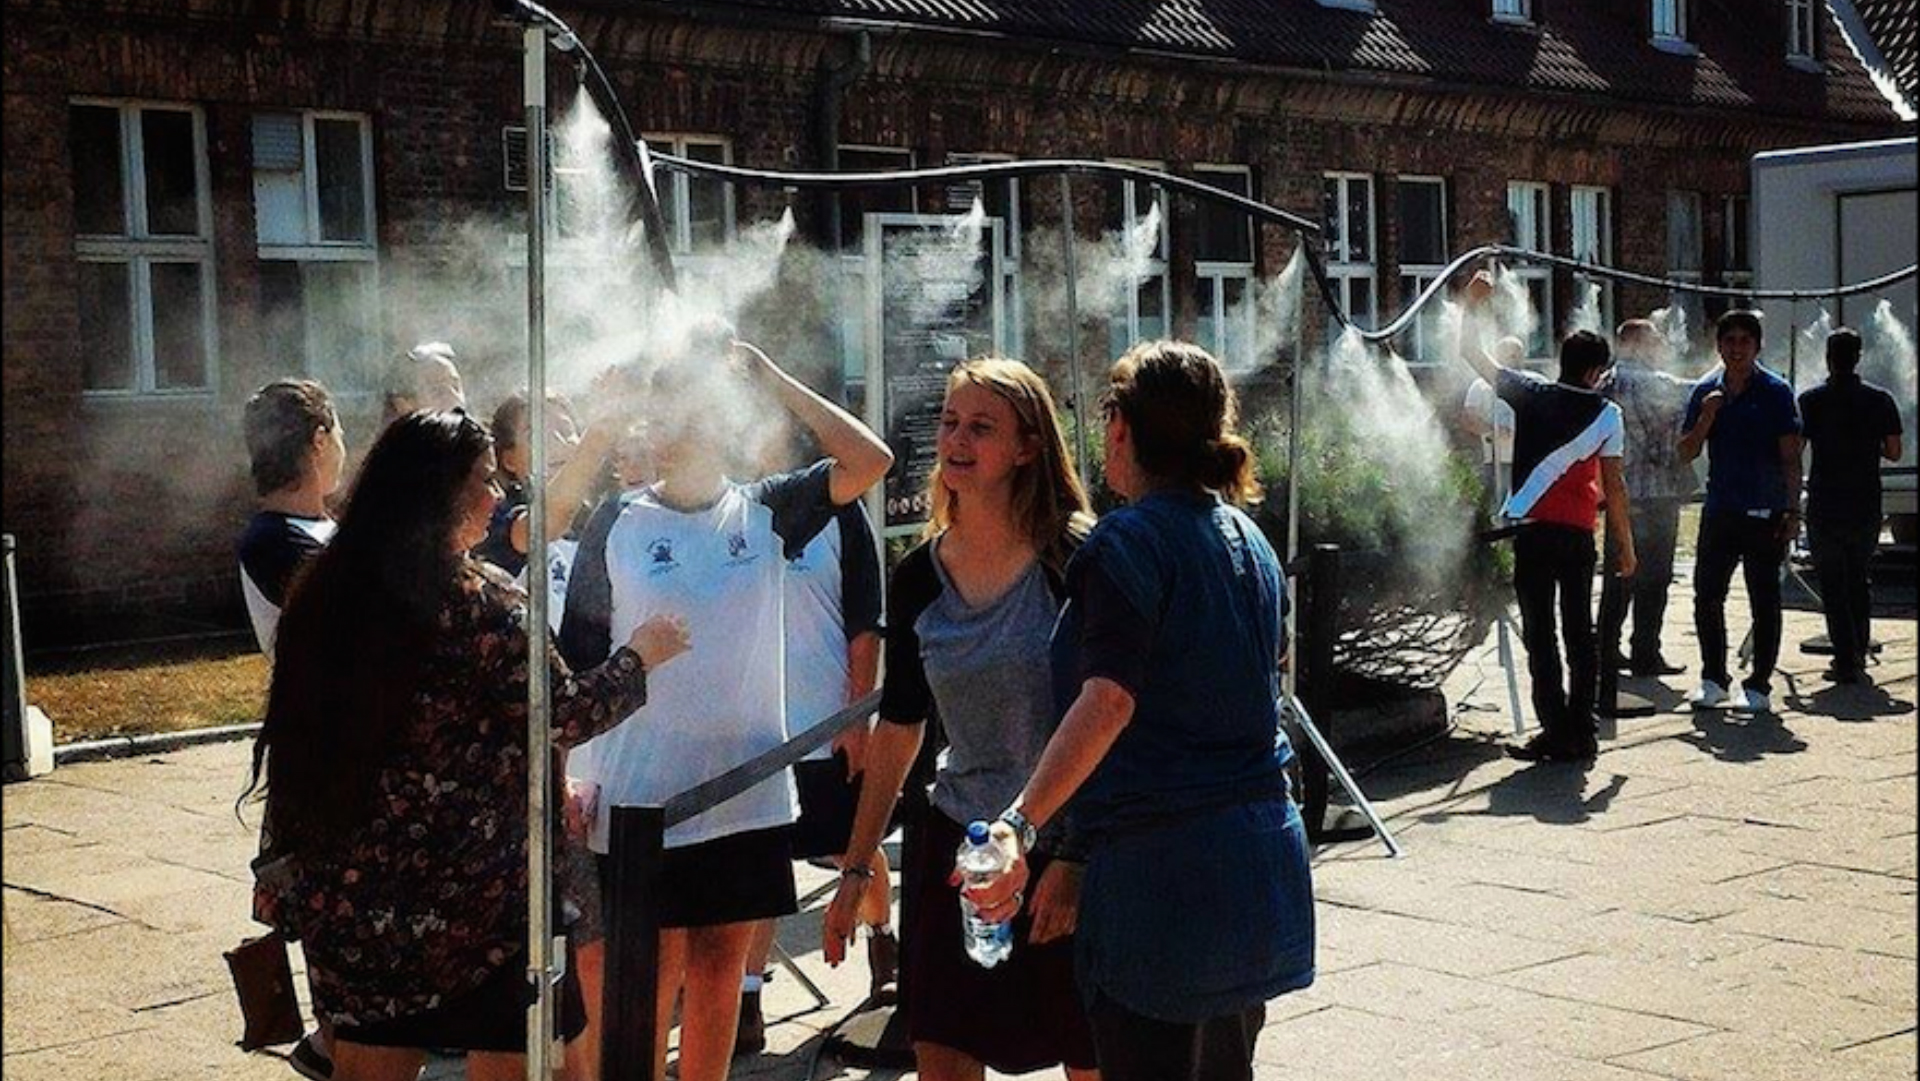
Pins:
<point x="1825" y="216"/>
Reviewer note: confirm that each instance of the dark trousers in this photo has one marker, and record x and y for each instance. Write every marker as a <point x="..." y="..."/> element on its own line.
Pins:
<point x="1555" y="563"/>
<point x="1136" y="1048"/>
<point x="1754" y="545"/>
<point x="1842" y="549"/>
<point x="1656" y="530"/>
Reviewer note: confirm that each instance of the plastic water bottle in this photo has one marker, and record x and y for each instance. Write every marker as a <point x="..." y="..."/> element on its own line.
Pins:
<point x="980" y="860"/>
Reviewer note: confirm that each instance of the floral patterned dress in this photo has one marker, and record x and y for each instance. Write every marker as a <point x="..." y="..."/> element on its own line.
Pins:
<point x="429" y="899"/>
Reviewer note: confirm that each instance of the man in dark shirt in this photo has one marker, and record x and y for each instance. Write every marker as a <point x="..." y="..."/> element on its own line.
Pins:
<point x="1568" y="441"/>
<point x="1744" y="418"/>
<point x="1851" y="425"/>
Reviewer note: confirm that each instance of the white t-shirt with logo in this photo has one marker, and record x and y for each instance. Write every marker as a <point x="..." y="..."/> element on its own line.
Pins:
<point x="833" y="597"/>
<point x="723" y="568"/>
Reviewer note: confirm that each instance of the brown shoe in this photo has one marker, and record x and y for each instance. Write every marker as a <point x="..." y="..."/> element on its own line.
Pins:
<point x="883" y="959"/>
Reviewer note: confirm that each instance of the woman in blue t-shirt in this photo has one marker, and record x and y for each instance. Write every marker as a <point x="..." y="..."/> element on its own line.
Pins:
<point x="1197" y="904"/>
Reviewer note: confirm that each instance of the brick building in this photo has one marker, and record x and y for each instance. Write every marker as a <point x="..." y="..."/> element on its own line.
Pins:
<point x="205" y="194"/>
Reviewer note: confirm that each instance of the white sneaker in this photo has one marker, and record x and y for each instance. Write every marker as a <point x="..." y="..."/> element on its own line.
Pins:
<point x="1752" y="702"/>
<point x="1710" y="695"/>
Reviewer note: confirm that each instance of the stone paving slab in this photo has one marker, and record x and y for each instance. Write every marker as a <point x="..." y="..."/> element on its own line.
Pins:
<point x="1715" y="900"/>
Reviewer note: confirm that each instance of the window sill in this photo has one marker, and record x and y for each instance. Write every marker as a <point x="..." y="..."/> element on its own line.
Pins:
<point x="1513" y="22"/>
<point x="1365" y="6"/>
<point x="1674" y="46"/>
<point x="1807" y="64"/>
<point x="127" y="401"/>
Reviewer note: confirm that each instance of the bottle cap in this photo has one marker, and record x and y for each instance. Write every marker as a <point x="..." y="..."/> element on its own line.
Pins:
<point x="977" y="833"/>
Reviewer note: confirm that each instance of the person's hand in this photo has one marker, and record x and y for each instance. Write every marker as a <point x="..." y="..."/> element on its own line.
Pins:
<point x="749" y="361"/>
<point x="852" y="742"/>
<point x="1786" y="529"/>
<point x="1056" y="901"/>
<point x="843" y="912"/>
<point x="581" y="805"/>
<point x="1625" y="563"/>
<point x="1710" y="405"/>
<point x="999" y="898"/>
<point x="659" y="640"/>
<point x="1479" y="288"/>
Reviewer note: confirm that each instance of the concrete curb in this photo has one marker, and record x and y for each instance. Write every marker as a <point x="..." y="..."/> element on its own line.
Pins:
<point x="98" y="750"/>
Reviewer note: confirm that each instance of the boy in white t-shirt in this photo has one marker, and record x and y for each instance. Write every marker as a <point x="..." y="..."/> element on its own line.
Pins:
<point x="716" y="551"/>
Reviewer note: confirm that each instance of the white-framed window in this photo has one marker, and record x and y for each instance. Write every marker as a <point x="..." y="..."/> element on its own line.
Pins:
<point x="143" y="236"/>
<point x="1420" y="203"/>
<point x="1685" y="246"/>
<point x="1223" y="268"/>
<point x="1529" y="226"/>
<point x="1513" y="11"/>
<point x="1352" y="249"/>
<point x="698" y="210"/>
<point x="1736" y="246"/>
<point x="1802" y="29"/>
<point x="1592" y="213"/>
<point x="318" y="244"/>
<point x="854" y="206"/>
<point x="1146" y="311"/>
<point x="1002" y="200"/>
<point x="1670" y="27"/>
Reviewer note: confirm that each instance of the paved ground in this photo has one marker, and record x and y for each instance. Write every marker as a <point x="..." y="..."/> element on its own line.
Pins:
<point x="1715" y="900"/>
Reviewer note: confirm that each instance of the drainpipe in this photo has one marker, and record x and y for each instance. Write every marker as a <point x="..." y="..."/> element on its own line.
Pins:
<point x="836" y="78"/>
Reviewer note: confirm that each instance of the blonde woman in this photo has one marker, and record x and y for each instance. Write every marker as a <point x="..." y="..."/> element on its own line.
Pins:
<point x="971" y="610"/>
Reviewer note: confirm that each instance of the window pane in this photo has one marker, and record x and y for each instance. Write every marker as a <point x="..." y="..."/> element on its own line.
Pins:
<point x="343" y="329"/>
<point x="1226" y="234"/>
<point x="342" y="180"/>
<point x="1360" y="309"/>
<point x="1739" y="253"/>
<point x="179" y="322"/>
<point x="106" y="327"/>
<point x="99" y="187"/>
<point x="1335" y="236"/>
<point x="1236" y="340"/>
<point x="1359" y="220"/>
<point x="856" y="204"/>
<point x="1153" y="309"/>
<point x="166" y="141"/>
<point x="1423" y="222"/>
<point x="707" y="199"/>
<point x="1683" y="231"/>
<point x="279" y="194"/>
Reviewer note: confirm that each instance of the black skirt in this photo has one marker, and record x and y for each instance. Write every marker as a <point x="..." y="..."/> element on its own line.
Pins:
<point x="734" y="879"/>
<point x="1021" y="1015"/>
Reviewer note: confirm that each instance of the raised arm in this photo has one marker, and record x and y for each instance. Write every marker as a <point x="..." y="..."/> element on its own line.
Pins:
<point x="1479" y="291"/>
<point x="860" y="458"/>
<point x="1693" y="439"/>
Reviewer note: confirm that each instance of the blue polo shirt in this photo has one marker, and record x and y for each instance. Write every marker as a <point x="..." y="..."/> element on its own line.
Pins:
<point x="1743" y="450"/>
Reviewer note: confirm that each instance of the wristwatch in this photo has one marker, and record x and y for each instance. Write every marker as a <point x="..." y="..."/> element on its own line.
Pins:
<point x="1023" y="830"/>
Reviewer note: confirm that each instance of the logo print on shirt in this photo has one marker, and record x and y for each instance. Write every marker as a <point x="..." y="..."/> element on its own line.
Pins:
<point x="738" y="553"/>
<point x="661" y="552"/>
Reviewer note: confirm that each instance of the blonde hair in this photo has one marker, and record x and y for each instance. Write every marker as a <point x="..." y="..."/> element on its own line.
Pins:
<point x="1049" y="503"/>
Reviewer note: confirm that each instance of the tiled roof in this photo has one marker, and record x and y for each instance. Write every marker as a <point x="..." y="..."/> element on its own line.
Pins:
<point x="1892" y="23"/>
<point x="1579" y="46"/>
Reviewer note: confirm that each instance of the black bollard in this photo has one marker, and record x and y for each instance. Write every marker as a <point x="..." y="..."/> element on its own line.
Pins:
<point x="629" y="1002"/>
<point x="1319" y="626"/>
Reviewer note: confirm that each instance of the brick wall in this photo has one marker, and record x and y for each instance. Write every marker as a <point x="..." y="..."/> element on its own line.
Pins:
<point x="127" y="511"/>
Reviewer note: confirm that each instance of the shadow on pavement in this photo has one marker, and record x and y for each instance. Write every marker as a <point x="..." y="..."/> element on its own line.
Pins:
<point x="1847" y="702"/>
<point x="1552" y="792"/>
<point x="1730" y="737"/>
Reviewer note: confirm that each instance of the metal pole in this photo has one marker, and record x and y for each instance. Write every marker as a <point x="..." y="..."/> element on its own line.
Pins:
<point x="539" y="716"/>
<point x="1297" y="371"/>
<point x="1067" y="236"/>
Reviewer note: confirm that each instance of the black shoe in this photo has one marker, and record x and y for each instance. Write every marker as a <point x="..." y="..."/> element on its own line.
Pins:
<point x="1545" y="748"/>
<point x="883" y="960"/>
<point x="751" y="1037"/>
<point x="1655" y="668"/>
<point x="308" y="1061"/>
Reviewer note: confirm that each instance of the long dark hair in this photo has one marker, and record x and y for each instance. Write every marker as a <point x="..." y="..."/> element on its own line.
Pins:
<point x="357" y="624"/>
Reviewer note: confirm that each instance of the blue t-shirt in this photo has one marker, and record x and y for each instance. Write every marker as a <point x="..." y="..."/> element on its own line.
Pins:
<point x="1190" y="804"/>
<point x="1743" y="450"/>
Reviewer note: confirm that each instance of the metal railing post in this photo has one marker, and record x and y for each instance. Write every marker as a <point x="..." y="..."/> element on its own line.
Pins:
<point x="1321" y="627"/>
<point x="629" y="1006"/>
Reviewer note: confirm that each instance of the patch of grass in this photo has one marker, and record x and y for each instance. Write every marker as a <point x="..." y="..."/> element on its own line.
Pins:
<point x="141" y="689"/>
